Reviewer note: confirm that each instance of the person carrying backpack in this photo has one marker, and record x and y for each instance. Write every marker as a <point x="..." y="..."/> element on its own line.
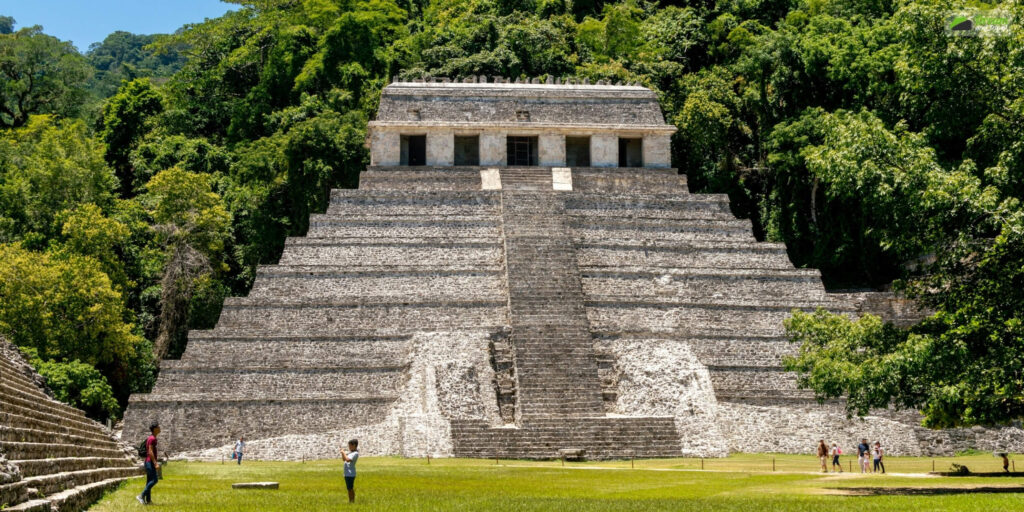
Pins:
<point x="148" y="449"/>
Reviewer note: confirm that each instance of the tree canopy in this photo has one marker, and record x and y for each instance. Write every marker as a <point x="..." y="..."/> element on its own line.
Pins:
<point x="879" y="148"/>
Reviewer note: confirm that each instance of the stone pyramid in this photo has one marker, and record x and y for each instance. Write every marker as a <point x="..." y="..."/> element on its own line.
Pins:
<point x="519" y="273"/>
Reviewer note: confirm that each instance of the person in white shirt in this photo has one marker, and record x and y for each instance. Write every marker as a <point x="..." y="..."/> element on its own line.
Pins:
<point x="350" y="459"/>
<point x="239" y="449"/>
<point x="836" y="452"/>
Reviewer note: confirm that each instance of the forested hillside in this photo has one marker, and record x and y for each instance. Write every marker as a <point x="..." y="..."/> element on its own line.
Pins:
<point x="877" y="145"/>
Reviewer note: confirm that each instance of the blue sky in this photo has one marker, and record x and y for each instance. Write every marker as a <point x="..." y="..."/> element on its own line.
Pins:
<point x="88" y="21"/>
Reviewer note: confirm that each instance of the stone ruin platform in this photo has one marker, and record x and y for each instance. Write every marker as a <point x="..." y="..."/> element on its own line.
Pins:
<point x="518" y="306"/>
<point x="51" y="456"/>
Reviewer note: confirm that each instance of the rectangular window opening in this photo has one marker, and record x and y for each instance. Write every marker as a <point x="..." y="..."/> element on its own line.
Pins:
<point x="414" y="150"/>
<point x="522" y="151"/>
<point x="467" y="150"/>
<point x="577" y="151"/>
<point x="631" y="152"/>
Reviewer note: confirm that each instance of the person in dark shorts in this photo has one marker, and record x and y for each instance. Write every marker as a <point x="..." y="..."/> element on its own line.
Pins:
<point x="836" y="452"/>
<point x="151" y="464"/>
<point x="350" y="459"/>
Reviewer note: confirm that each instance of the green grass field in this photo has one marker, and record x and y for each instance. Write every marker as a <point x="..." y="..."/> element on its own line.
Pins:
<point x="739" y="482"/>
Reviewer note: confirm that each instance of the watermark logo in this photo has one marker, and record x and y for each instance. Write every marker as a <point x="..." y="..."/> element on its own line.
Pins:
<point x="978" y="23"/>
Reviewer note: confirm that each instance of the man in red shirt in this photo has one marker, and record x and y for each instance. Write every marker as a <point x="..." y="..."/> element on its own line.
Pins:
<point x="152" y="466"/>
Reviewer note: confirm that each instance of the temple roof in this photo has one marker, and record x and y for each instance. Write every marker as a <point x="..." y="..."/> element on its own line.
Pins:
<point x="502" y="104"/>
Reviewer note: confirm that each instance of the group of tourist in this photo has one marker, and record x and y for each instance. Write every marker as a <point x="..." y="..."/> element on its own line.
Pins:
<point x="152" y="465"/>
<point x="866" y="454"/>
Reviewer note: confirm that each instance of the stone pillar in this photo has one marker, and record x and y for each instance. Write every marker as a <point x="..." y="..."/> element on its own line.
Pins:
<point x="493" y="148"/>
<point x="551" y="150"/>
<point x="604" y="150"/>
<point x="657" y="150"/>
<point x="385" y="148"/>
<point x="441" y="148"/>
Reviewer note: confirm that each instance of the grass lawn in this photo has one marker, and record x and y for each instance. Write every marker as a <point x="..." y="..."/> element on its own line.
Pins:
<point x="739" y="482"/>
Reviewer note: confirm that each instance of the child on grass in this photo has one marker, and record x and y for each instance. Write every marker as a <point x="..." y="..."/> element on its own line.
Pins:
<point x="350" y="459"/>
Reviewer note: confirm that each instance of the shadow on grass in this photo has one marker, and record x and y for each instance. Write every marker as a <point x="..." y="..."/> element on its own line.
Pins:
<point x="922" y="491"/>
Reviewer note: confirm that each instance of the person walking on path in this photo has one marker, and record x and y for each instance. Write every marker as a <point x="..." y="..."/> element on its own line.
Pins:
<point x="877" y="454"/>
<point x="239" y="449"/>
<point x="863" y="453"/>
<point x="823" y="455"/>
<point x="151" y="464"/>
<point x="1006" y="462"/>
<point x="350" y="459"/>
<point x="836" y="452"/>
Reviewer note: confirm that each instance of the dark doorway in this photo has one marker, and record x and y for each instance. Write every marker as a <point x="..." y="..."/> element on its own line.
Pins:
<point x="467" y="150"/>
<point x="577" y="151"/>
<point x="522" y="151"/>
<point x="414" y="150"/>
<point x="631" y="152"/>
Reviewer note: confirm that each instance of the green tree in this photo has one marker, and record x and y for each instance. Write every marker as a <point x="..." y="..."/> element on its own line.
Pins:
<point x="127" y="118"/>
<point x="39" y="74"/>
<point x="193" y="225"/>
<point x="6" y="25"/>
<point x="47" y="167"/>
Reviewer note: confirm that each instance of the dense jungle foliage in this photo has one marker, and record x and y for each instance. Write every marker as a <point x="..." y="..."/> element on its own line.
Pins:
<point x="142" y="182"/>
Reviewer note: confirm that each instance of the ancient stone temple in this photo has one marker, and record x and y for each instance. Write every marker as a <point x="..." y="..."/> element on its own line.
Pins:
<point x="520" y="272"/>
<point x="51" y="456"/>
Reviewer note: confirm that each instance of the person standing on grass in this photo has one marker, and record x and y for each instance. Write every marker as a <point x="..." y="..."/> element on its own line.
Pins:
<point x="823" y="455"/>
<point x="877" y="455"/>
<point x="239" y="449"/>
<point x="1006" y="462"/>
<point x="863" y="452"/>
<point x="836" y="452"/>
<point x="350" y="459"/>
<point x="151" y="464"/>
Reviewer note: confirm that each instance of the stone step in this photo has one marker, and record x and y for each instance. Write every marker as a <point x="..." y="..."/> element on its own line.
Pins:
<point x="426" y="180"/>
<point x="76" y="498"/>
<point x="541" y="438"/>
<point x="328" y="228"/>
<point x="28" y="435"/>
<point x="684" y="319"/>
<point x="424" y="284"/>
<point x="624" y="286"/>
<point x="297" y="354"/>
<point x="414" y="197"/>
<point x="257" y="382"/>
<point x="16" y="398"/>
<point x="36" y="467"/>
<point x="391" y="251"/>
<point x="19" y="421"/>
<point x="590" y="233"/>
<point x="242" y="397"/>
<point x="306" y="317"/>
<point x="58" y="482"/>
<point x="16" y="450"/>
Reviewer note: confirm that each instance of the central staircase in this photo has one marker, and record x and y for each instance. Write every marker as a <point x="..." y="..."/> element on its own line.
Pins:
<point x="560" y="404"/>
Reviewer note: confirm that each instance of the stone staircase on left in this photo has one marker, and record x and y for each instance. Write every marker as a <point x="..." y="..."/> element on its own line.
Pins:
<point x="52" y="457"/>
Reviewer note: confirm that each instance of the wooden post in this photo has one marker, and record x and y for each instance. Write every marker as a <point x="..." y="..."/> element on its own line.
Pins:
<point x="428" y="459"/>
<point x="850" y="466"/>
<point x="702" y="463"/>
<point x="563" y="460"/>
<point x="933" y="465"/>
<point x="773" y="463"/>
<point x="1014" y="464"/>
<point x="631" y="457"/>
